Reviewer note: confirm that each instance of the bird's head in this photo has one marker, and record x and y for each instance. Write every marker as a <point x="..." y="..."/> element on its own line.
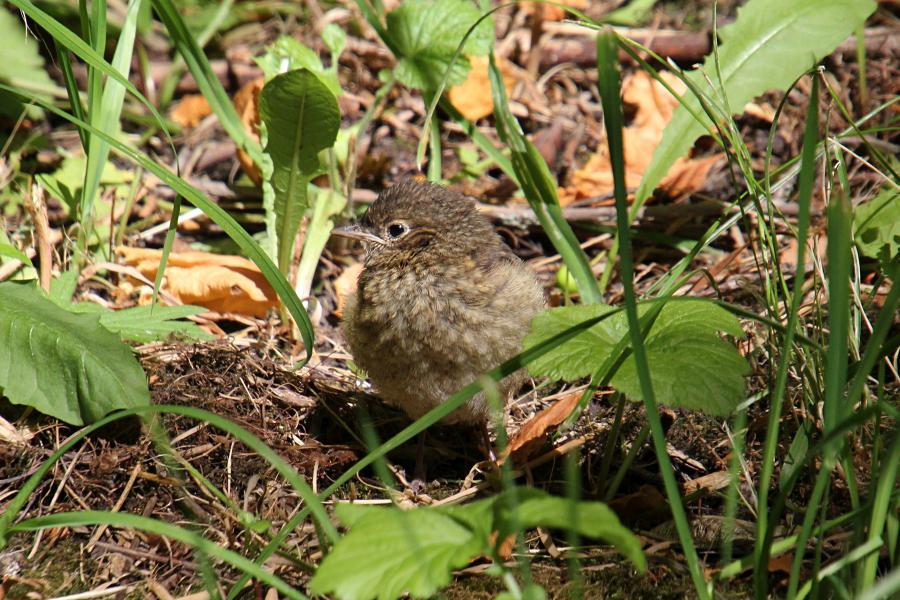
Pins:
<point x="420" y="221"/>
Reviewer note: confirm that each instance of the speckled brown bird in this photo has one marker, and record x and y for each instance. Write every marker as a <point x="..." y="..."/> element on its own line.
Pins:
<point x="441" y="299"/>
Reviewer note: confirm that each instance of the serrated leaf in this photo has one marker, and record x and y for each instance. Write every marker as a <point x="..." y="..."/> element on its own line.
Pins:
<point x="426" y="33"/>
<point x="301" y="117"/>
<point x="769" y="45"/>
<point x="390" y="552"/>
<point x="145" y="324"/>
<point x="64" y="365"/>
<point x="691" y="366"/>
<point x="536" y="508"/>
<point x="876" y="225"/>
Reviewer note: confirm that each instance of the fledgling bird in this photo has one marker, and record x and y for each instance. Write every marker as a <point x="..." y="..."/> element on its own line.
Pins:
<point x="441" y="299"/>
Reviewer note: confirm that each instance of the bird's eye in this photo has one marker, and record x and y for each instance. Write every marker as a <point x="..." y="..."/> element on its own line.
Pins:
<point x="395" y="230"/>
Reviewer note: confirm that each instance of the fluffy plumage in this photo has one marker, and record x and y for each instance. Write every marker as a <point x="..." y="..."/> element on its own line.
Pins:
<point x="441" y="300"/>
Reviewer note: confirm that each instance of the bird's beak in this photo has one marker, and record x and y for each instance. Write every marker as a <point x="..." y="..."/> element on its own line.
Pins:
<point x="356" y="232"/>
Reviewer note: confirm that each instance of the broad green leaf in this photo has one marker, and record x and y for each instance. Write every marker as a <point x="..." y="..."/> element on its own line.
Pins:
<point x="691" y="366"/>
<point x="64" y="365"/>
<point x="426" y="33"/>
<point x="145" y="324"/>
<point x="876" y="225"/>
<point x="301" y="116"/>
<point x="391" y="552"/>
<point x="22" y="66"/>
<point x="287" y="54"/>
<point x="769" y="45"/>
<point x="62" y="288"/>
<point x="10" y="251"/>
<point x="595" y="520"/>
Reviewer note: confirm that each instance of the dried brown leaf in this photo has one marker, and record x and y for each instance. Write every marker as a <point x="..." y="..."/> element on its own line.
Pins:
<point x="190" y="110"/>
<point x="554" y="13"/>
<point x="781" y="564"/>
<point x="246" y="103"/>
<point x="222" y="283"/>
<point x="654" y="106"/>
<point x="535" y="432"/>
<point x="472" y="98"/>
<point x="345" y="285"/>
<point x="647" y="499"/>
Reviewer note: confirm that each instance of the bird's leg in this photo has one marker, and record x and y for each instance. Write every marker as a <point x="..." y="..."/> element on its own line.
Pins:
<point x="486" y="447"/>
<point x="419" y="474"/>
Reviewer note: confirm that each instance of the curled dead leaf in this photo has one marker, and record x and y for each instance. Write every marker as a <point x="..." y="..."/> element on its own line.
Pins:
<point x="505" y="546"/>
<point x="472" y="98"/>
<point x="535" y="432"/>
<point x="221" y="283"/>
<point x="190" y="110"/>
<point x="654" y="106"/>
<point x="345" y="285"/>
<point x="554" y="13"/>
<point x="246" y="103"/>
<point x="646" y="501"/>
<point x="781" y="564"/>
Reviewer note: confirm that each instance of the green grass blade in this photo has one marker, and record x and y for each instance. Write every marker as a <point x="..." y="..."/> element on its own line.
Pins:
<point x="840" y="216"/>
<point x="140" y="523"/>
<point x="881" y="507"/>
<point x="879" y="334"/>
<point x="609" y="85"/>
<point x="65" y="65"/>
<point x="170" y="84"/>
<point x="83" y="51"/>
<point x="540" y="190"/>
<point x="207" y="81"/>
<point x="106" y="110"/>
<point x="807" y="175"/>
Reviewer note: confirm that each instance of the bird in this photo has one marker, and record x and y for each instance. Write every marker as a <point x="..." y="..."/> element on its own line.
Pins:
<point x="441" y="299"/>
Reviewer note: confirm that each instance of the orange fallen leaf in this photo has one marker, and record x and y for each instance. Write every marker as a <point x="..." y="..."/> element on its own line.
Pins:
<point x="646" y="500"/>
<point x="221" y="283"/>
<point x="472" y="98"/>
<point x="555" y="13"/>
<point x="246" y="103"/>
<point x="534" y="433"/>
<point x="190" y="110"/>
<point x="345" y="285"/>
<point x="505" y="546"/>
<point x="781" y="564"/>
<point x="654" y="106"/>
